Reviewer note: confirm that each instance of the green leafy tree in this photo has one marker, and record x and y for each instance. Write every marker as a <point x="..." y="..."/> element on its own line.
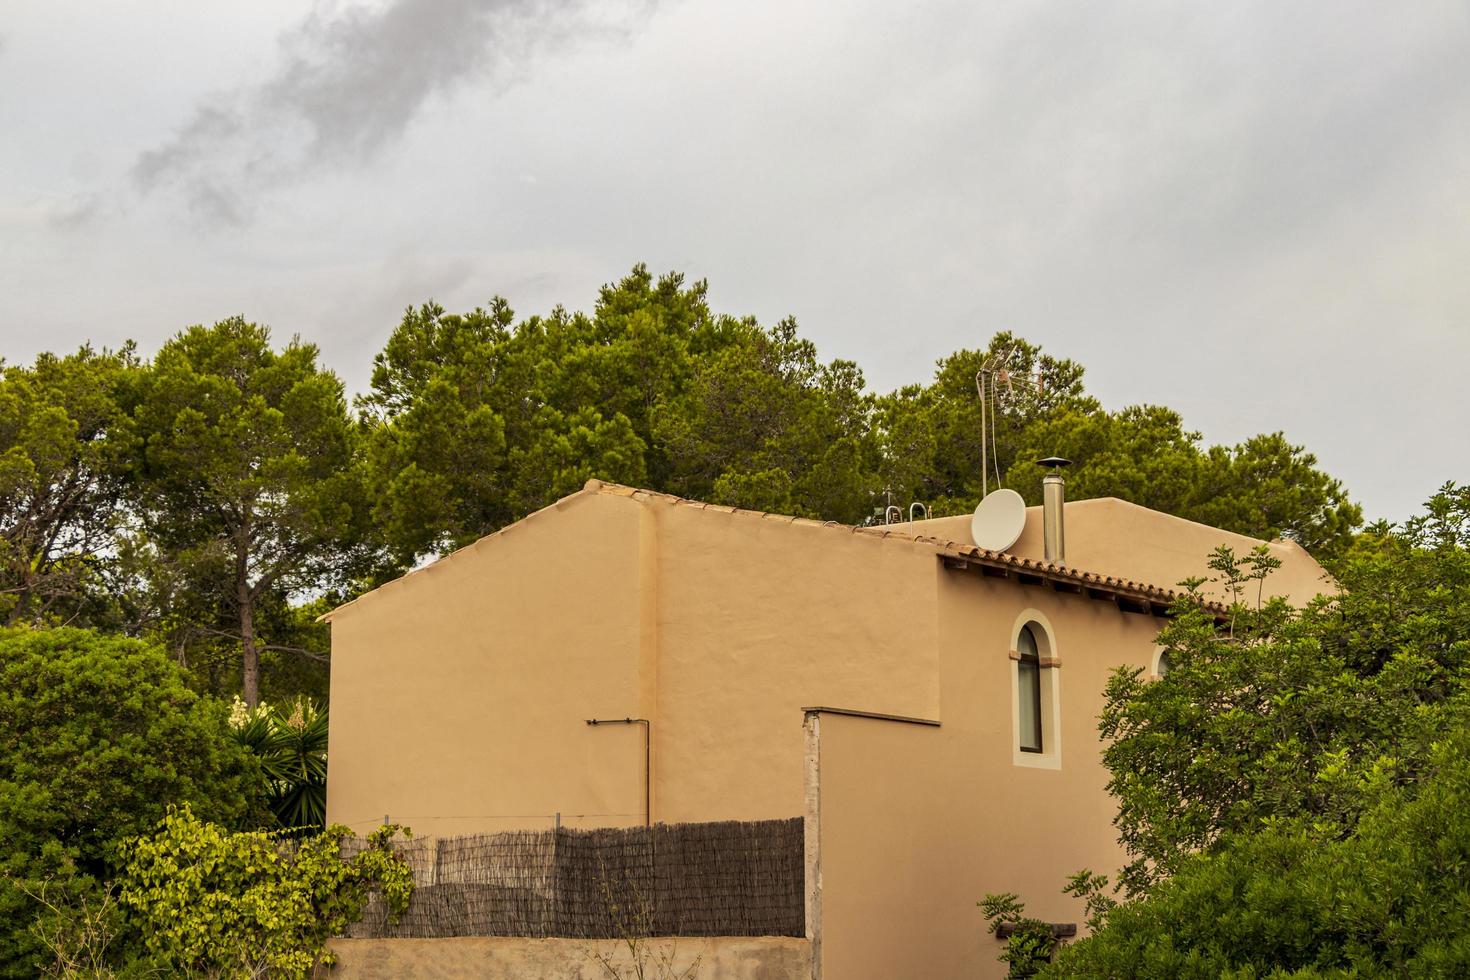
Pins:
<point x="437" y="450"/>
<point x="764" y="424"/>
<point x="1409" y="588"/>
<point x="1260" y="721"/>
<point x="248" y="485"/>
<point x="1293" y="792"/>
<point x="1268" y="488"/>
<point x="65" y="444"/>
<point x="932" y="434"/>
<point x="1280" y="714"/>
<point x="477" y="420"/>
<point x="931" y="448"/>
<point x="100" y="734"/>
<point x="1265" y="487"/>
<point x="1142" y="454"/>
<point x="214" y="903"/>
<point x="1300" y="898"/>
<point x="475" y="424"/>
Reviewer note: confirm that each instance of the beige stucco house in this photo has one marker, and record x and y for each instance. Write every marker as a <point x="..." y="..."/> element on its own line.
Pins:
<point x="930" y="707"/>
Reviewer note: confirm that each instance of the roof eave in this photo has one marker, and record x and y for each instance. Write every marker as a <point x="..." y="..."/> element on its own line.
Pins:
<point x="1141" y="596"/>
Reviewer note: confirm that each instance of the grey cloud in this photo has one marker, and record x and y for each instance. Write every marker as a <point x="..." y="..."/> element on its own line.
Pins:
<point x="81" y="213"/>
<point x="350" y="83"/>
<point x="1254" y="213"/>
<point x="212" y="126"/>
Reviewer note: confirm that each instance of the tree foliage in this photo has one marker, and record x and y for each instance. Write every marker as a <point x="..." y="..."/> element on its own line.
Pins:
<point x="478" y="419"/>
<point x="1282" y="714"/>
<point x="99" y="735"/>
<point x="1264" y="487"/>
<point x="1293" y="793"/>
<point x="220" y="495"/>
<point x="249" y="488"/>
<point x="931" y="433"/>
<point x="1300" y="898"/>
<point x="1030" y="945"/>
<point x="66" y="445"/>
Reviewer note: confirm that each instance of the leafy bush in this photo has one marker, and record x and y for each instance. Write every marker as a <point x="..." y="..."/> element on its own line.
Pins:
<point x="78" y="931"/>
<point x="1295" y="793"/>
<point x="1031" y="943"/>
<point x="99" y="734"/>
<point x="249" y="904"/>
<point x="1296" y="899"/>
<point x="1285" y="712"/>
<point x="292" y="750"/>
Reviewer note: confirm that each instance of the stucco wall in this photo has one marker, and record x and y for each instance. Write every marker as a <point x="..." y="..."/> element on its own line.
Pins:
<point x="483" y="958"/>
<point x="459" y="696"/>
<point x="460" y="692"/>
<point x="758" y="619"/>
<point x="916" y="824"/>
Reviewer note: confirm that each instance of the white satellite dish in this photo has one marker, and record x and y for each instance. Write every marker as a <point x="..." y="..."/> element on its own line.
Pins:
<point x="998" y="520"/>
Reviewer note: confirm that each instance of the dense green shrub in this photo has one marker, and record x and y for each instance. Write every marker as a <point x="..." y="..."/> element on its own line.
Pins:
<point x="1295" y="793"/>
<point x="98" y="735"/>
<point x="1282" y="713"/>
<point x="1298" y="899"/>
<point x="217" y="903"/>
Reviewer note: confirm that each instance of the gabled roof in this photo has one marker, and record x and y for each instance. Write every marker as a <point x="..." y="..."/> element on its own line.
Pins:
<point x="943" y="536"/>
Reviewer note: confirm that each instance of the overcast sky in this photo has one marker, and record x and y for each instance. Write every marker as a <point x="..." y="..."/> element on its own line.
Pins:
<point x="1257" y="213"/>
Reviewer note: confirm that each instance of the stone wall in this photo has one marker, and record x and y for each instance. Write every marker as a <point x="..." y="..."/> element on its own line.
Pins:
<point x="499" y="958"/>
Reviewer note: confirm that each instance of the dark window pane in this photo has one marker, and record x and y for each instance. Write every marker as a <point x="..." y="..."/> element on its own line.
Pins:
<point x="1029" y="676"/>
<point x="1026" y="644"/>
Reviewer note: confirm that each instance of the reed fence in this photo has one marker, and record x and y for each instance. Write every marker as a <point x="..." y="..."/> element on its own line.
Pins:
<point x="732" y="878"/>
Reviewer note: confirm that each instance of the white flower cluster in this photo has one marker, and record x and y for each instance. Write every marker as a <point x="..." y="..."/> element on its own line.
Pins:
<point x="241" y="715"/>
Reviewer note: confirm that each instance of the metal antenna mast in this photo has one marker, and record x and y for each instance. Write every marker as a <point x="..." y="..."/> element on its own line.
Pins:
<point x="995" y="376"/>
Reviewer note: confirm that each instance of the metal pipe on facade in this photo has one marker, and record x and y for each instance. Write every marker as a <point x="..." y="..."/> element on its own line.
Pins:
<point x="647" y="759"/>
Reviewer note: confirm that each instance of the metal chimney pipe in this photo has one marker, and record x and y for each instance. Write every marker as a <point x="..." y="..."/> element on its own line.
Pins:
<point x="1053" y="502"/>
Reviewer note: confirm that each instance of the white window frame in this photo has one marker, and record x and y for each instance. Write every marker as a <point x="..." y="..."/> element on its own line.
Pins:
<point x="1050" y="756"/>
<point x="1157" y="661"/>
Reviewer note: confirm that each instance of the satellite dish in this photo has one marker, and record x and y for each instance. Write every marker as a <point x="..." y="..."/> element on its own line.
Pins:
<point x="998" y="520"/>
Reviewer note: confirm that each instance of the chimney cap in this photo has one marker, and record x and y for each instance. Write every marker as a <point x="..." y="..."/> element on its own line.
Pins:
<point x="1054" y="462"/>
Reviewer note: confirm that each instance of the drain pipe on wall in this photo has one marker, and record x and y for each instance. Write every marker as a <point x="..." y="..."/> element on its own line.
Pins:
<point x="647" y="760"/>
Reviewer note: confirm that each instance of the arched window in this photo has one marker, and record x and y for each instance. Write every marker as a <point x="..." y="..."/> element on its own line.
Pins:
<point x="1028" y="690"/>
<point x="1036" y="692"/>
<point x="1161" y="663"/>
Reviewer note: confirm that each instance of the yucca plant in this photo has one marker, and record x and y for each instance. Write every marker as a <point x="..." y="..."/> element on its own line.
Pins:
<point x="292" y="749"/>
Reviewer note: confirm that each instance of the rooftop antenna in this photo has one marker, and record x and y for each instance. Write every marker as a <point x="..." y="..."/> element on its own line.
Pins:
<point x="892" y="513"/>
<point x="996" y="377"/>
